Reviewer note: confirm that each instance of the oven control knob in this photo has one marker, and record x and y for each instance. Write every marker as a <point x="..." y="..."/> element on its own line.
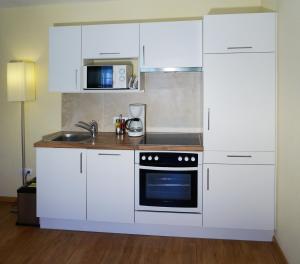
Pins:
<point x="193" y="159"/>
<point x="186" y="158"/>
<point x="179" y="158"/>
<point x="143" y="157"/>
<point x="150" y="158"/>
<point x="156" y="158"/>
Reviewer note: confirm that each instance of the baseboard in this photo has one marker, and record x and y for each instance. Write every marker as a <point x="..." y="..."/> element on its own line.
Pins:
<point x="282" y="259"/>
<point x="8" y="199"/>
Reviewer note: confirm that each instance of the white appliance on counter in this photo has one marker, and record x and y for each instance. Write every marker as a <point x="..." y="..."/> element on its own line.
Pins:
<point x="135" y="125"/>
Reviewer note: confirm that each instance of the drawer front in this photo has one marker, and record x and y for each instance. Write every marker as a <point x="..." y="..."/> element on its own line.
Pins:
<point x="214" y="157"/>
<point x="240" y="33"/>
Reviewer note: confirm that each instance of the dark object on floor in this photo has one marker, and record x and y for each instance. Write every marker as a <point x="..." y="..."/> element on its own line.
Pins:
<point x="27" y="205"/>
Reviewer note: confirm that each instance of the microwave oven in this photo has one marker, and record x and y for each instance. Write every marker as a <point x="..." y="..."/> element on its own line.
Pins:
<point x="97" y="77"/>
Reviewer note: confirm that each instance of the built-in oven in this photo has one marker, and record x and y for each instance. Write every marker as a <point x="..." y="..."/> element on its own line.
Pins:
<point x="168" y="181"/>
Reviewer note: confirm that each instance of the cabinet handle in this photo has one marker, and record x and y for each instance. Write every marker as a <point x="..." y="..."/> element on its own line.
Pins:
<point x="109" y="53"/>
<point x="81" y="162"/>
<point x="107" y="154"/>
<point x="76" y="77"/>
<point x="207" y="179"/>
<point x="143" y="54"/>
<point x="239" y="156"/>
<point x="242" y="47"/>
<point x="208" y="119"/>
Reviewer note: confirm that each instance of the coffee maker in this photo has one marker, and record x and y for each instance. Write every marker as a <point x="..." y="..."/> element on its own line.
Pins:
<point x="135" y="125"/>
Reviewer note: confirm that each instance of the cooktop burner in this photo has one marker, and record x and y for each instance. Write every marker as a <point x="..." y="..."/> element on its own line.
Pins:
<point x="176" y="139"/>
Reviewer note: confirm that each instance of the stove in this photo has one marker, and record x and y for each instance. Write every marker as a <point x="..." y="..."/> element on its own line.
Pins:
<point x="173" y="139"/>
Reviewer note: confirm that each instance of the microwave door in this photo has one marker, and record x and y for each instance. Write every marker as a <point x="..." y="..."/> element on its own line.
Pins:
<point x="98" y="77"/>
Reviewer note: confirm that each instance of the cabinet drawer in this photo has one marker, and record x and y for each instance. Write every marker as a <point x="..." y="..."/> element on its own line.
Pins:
<point x="240" y="33"/>
<point x="239" y="157"/>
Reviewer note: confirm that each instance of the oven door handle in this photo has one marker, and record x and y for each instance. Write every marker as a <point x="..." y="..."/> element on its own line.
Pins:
<point x="168" y="168"/>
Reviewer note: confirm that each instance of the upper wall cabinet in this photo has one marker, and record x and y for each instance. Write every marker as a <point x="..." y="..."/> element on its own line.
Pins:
<point x="110" y="41"/>
<point x="64" y="59"/>
<point x="171" y="44"/>
<point x="240" y="33"/>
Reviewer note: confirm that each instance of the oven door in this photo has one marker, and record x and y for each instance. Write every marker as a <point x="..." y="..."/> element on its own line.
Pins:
<point x="168" y="189"/>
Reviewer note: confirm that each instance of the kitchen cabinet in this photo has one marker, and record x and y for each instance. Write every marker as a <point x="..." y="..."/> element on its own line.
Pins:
<point x="239" y="102"/>
<point x="171" y="44"/>
<point x="110" y="41"/>
<point x="238" y="196"/>
<point x="64" y="59"/>
<point x="110" y="185"/>
<point x="61" y="183"/>
<point x="232" y="33"/>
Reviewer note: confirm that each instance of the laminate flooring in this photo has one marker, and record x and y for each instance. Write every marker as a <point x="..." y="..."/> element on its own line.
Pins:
<point x="21" y="244"/>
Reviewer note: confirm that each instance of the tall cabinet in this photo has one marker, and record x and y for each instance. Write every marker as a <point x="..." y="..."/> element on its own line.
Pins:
<point x="239" y="120"/>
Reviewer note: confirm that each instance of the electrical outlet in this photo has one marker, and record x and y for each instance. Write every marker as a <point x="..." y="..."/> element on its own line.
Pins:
<point x="28" y="172"/>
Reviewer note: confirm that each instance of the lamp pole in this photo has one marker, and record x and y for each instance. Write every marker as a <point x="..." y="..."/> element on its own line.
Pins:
<point x="23" y="142"/>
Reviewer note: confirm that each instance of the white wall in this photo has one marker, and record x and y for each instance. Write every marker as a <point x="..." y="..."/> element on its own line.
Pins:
<point x="288" y="192"/>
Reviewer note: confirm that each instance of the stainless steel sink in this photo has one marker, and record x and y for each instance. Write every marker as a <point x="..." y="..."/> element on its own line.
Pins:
<point x="71" y="137"/>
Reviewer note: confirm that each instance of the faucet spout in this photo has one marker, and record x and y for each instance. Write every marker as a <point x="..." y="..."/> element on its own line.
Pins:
<point x="92" y="127"/>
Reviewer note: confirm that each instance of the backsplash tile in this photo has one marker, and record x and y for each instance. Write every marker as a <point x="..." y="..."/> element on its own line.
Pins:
<point x="174" y="104"/>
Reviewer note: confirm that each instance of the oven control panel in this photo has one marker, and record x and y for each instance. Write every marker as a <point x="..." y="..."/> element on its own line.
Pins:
<point x="166" y="159"/>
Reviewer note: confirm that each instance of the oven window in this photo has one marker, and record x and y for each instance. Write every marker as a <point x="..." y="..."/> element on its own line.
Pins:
<point x="168" y="188"/>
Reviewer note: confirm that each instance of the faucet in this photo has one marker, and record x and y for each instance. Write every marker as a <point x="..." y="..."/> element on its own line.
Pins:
<point x="92" y="127"/>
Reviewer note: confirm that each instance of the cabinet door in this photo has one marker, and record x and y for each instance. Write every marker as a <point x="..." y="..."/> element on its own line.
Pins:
<point x="61" y="183"/>
<point x="239" y="102"/>
<point x="240" y="33"/>
<point x="238" y="196"/>
<point x="64" y="59"/>
<point x="110" y="41"/>
<point x="171" y="44"/>
<point x="110" y="186"/>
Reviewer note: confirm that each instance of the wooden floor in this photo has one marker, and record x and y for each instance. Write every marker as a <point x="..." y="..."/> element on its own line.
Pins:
<point x="19" y="244"/>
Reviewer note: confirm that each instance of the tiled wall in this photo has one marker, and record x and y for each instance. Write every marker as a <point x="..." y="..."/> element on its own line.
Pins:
<point x="174" y="104"/>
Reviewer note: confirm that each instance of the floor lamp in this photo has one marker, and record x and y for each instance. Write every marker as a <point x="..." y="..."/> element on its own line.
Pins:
<point x="21" y="88"/>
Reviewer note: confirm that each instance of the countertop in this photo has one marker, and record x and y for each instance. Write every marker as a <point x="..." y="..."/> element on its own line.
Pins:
<point x="109" y="140"/>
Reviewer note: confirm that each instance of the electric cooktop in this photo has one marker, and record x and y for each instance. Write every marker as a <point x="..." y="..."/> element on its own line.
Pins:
<point x="176" y="139"/>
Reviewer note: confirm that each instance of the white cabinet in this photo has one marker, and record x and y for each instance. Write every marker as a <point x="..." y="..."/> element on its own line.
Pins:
<point x="64" y="59"/>
<point x="240" y="33"/>
<point x="61" y="183"/>
<point x="239" y="102"/>
<point x="110" y="41"/>
<point x="238" y="196"/>
<point x="110" y="185"/>
<point x="171" y="44"/>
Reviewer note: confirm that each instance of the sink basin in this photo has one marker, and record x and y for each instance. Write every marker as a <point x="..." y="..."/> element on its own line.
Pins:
<point x="69" y="137"/>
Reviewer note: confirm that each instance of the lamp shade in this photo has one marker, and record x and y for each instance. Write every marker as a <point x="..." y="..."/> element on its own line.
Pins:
<point x="20" y="81"/>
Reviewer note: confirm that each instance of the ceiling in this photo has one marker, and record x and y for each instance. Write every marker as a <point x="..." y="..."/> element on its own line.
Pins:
<point x="12" y="3"/>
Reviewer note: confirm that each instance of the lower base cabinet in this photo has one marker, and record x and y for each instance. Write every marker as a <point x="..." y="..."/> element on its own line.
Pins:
<point x="80" y="184"/>
<point x="238" y="196"/>
<point x="61" y="183"/>
<point x="110" y="186"/>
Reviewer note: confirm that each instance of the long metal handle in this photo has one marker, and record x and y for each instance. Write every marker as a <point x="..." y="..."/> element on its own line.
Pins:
<point x="109" y="53"/>
<point x="208" y="119"/>
<point x="239" y="156"/>
<point x="242" y="47"/>
<point x="76" y="77"/>
<point x="107" y="154"/>
<point x="81" y="162"/>
<point x="207" y="179"/>
<point x="168" y="168"/>
<point x="143" y="54"/>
